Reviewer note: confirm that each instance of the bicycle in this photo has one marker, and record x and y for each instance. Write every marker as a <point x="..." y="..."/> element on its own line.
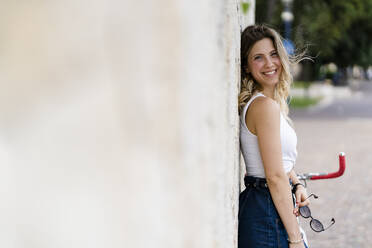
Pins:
<point x="319" y="176"/>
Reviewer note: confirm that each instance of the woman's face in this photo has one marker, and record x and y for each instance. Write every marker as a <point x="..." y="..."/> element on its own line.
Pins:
<point x="264" y="63"/>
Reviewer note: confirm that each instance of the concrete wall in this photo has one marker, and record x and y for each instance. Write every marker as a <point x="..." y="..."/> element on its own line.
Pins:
<point x="118" y="123"/>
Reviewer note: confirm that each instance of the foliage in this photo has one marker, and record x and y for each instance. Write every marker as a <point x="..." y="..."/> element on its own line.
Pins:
<point x="300" y="85"/>
<point x="245" y="7"/>
<point x="303" y="102"/>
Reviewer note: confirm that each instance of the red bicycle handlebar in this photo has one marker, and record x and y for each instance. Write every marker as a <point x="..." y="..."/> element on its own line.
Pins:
<point x="338" y="173"/>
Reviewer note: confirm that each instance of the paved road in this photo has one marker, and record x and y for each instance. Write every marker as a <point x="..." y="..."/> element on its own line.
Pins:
<point x="324" y="132"/>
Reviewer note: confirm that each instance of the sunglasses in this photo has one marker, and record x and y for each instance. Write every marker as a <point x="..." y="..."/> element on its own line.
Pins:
<point x="315" y="224"/>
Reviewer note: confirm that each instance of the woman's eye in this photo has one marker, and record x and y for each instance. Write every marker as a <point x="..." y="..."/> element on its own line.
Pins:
<point x="257" y="57"/>
<point x="274" y="54"/>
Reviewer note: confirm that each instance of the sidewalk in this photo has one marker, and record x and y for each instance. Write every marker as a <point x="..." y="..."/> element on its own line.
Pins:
<point x="348" y="198"/>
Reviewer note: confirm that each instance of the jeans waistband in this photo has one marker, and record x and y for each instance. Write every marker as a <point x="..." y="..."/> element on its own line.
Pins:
<point x="250" y="181"/>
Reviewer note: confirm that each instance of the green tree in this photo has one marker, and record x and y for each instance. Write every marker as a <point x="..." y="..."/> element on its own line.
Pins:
<point x="355" y="46"/>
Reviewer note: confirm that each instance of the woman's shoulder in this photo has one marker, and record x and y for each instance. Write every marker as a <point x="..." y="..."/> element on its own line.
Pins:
<point x="264" y="105"/>
<point x="263" y="111"/>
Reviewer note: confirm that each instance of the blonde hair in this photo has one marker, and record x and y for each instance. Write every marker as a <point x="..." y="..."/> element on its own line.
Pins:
<point x="249" y="86"/>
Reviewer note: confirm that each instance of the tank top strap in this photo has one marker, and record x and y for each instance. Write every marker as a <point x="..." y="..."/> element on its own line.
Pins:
<point x="258" y="94"/>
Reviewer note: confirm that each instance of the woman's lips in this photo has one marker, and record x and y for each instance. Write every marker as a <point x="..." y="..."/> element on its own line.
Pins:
<point x="268" y="73"/>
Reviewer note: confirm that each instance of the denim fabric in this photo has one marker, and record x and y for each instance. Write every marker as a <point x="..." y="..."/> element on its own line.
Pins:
<point x="259" y="223"/>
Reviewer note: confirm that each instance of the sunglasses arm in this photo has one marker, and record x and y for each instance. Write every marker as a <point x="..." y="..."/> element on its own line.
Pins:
<point x="332" y="222"/>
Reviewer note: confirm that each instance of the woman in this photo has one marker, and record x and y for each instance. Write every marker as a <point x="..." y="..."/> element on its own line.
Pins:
<point x="267" y="215"/>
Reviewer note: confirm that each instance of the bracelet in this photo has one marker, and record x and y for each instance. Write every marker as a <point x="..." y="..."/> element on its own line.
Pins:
<point x="294" y="187"/>
<point x="295" y="242"/>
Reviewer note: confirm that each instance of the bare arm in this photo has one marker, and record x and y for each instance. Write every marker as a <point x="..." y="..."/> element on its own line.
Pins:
<point x="266" y="115"/>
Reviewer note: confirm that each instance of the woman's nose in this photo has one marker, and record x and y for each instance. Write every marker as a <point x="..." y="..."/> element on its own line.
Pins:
<point x="269" y="62"/>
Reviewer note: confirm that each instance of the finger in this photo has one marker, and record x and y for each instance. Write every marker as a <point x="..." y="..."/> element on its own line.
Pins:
<point x="296" y="214"/>
<point x="298" y="196"/>
<point x="295" y="211"/>
<point x="304" y="203"/>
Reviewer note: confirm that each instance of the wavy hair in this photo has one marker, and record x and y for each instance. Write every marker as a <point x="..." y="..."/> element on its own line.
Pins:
<point x="249" y="86"/>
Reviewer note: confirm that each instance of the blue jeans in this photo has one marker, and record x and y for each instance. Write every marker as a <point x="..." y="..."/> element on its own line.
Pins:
<point x="259" y="223"/>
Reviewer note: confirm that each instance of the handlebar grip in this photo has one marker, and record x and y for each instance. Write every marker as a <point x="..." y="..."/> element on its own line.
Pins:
<point x="340" y="172"/>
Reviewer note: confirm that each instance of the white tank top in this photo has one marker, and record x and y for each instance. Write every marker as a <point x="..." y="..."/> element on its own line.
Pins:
<point x="250" y="149"/>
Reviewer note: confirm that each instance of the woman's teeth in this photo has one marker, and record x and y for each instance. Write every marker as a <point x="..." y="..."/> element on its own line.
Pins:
<point x="269" y="73"/>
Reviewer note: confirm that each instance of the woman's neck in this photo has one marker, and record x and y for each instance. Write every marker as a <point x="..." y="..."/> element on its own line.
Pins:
<point x="268" y="93"/>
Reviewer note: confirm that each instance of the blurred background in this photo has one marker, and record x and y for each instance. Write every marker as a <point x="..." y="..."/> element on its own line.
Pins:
<point x="331" y="106"/>
<point x="337" y="34"/>
<point x="119" y="124"/>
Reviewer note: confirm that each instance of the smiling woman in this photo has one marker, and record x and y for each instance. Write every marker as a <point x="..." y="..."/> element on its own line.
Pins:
<point x="267" y="217"/>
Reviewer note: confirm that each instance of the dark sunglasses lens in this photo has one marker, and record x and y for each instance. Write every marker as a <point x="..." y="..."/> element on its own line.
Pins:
<point x="305" y="211"/>
<point x="316" y="225"/>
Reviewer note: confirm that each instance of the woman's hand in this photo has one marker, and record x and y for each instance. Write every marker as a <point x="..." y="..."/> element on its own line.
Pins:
<point x="301" y="199"/>
<point x="299" y="245"/>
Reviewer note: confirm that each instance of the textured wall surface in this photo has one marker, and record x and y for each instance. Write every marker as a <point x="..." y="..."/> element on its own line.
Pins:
<point x="119" y="123"/>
